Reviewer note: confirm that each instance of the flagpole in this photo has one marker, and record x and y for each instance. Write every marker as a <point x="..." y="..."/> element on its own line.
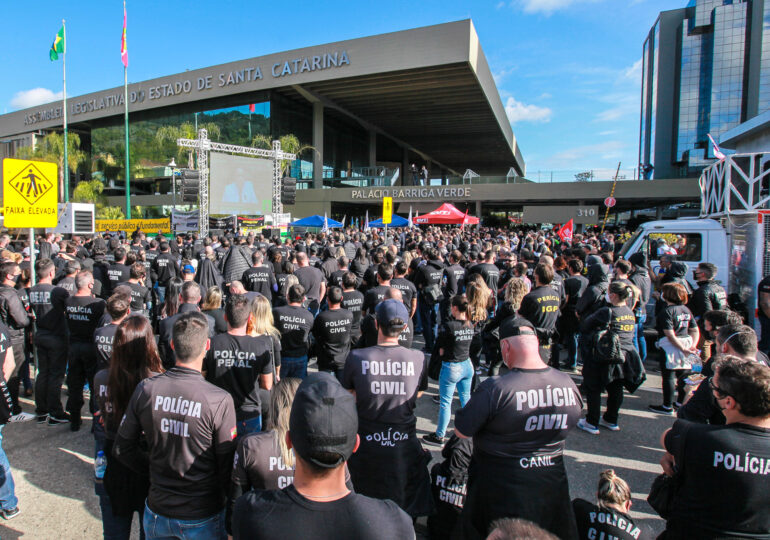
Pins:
<point x="125" y="102"/>
<point x="64" y="95"/>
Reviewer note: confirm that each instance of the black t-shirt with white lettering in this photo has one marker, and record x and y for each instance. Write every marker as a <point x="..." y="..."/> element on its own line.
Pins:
<point x="374" y="296"/>
<point x="489" y="272"/>
<point x="83" y="316"/>
<point x="524" y="413"/>
<point x="189" y="425"/>
<point x="294" y="323"/>
<point x="455" y="338"/>
<point x="676" y="318"/>
<point x="332" y="334"/>
<point x="449" y="485"/>
<point x="47" y="302"/>
<point x="386" y="380"/>
<point x="408" y="290"/>
<point x="281" y="514"/>
<point x="103" y="404"/>
<point x="258" y="463"/>
<point x="118" y="273"/>
<point x="103" y="339"/>
<point x="725" y="489"/>
<point x="620" y="318"/>
<point x="354" y="302"/>
<point x="260" y="279"/>
<point x="369" y="334"/>
<point x="141" y="297"/>
<point x="595" y="522"/>
<point x="234" y="363"/>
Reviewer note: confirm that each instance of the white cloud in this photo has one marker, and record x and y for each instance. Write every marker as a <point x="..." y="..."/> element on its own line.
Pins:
<point x="521" y="112"/>
<point x="547" y="7"/>
<point x="33" y="97"/>
<point x="634" y="72"/>
<point x="498" y="76"/>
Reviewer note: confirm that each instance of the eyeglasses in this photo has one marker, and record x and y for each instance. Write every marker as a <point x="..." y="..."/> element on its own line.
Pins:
<point x="716" y="389"/>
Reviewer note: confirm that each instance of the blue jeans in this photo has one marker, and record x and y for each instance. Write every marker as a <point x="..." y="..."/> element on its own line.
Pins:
<point x="453" y="374"/>
<point x="429" y="316"/>
<point x="8" y="500"/>
<point x="294" y="366"/>
<point x="640" y="344"/>
<point x="157" y="527"/>
<point x="161" y="295"/>
<point x="252" y="425"/>
<point x="572" y="349"/>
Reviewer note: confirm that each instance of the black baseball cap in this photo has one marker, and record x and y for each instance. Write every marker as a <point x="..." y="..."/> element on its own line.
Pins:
<point x="514" y="326"/>
<point x="323" y="419"/>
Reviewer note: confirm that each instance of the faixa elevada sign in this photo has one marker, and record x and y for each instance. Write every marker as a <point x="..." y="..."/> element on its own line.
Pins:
<point x="247" y="74"/>
<point x="441" y="193"/>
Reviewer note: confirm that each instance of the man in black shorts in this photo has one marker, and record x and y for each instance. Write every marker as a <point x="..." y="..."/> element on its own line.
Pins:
<point x="322" y="431"/>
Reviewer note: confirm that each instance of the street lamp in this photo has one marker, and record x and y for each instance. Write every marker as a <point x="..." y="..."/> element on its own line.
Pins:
<point x="172" y="165"/>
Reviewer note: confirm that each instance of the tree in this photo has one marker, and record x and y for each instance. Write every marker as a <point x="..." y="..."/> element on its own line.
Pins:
<point x="185" y="130"/>
<point x="289" y="143"/>
<point x="51" y="148"/>
<point x="110" y="212"/>
<point x="584" y="176"/>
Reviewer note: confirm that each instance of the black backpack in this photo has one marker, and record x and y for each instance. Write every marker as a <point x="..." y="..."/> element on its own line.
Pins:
<point x="606" y="345"/>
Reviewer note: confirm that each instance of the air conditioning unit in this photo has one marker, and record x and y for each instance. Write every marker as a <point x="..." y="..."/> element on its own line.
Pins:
<point x="75" y="218"/>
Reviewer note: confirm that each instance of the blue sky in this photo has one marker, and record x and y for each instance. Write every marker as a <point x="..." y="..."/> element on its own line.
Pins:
<point x="568" y="71"/>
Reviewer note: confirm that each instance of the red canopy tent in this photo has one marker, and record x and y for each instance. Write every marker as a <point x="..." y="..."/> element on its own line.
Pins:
<point x="446" y="214"/>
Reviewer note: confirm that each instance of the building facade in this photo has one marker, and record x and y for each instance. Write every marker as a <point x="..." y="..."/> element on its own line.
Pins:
<point x="705" y="70"/>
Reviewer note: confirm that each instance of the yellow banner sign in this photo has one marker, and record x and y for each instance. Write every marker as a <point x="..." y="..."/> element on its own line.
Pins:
<point x="149" y="226"/>
<point x="387" y="210"/>
<point x="30" y="193"/>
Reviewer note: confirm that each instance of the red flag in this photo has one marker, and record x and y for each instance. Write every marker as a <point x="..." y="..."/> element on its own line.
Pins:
<point x="252" y="107"/>
<point x="565" y="233"/>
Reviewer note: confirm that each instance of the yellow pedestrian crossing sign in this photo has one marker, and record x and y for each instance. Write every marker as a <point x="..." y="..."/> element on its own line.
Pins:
<point x="387" y="210"/>
<point x="29" y="193"/>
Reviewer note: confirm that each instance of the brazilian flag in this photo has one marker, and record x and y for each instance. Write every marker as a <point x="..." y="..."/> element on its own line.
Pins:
<point x="57" y="46"/>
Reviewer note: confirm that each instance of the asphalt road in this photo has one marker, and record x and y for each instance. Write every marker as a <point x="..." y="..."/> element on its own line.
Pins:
<point x="53" y="467"/>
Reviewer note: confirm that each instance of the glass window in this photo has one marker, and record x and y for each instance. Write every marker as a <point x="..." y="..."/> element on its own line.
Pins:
<point x="684" y="246"/>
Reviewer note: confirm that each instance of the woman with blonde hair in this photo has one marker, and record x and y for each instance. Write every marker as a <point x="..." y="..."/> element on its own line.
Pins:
<point x="261" y="323"/>
<point x="515" y="290"/>
<point x="610" y="517"/>
<point x="480" y="302"/>
<point x="212" y="305"/>
<point x="263" y="460"/>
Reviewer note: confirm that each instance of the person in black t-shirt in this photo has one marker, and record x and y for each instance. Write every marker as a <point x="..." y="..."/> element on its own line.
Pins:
<point x="47" y="303"/>
<point x="369" y="331"/>
<point x="449" y="484"/>
<point x="407" y="288"/>
<point x="141" y="297"/>
<point x="294" y="322"/>
<point x="541" y="308"/>
<point x="375" y="295"/>
<point x="763" y="313"/>
<point x="387" y="379"/>
<point x="264" y="460"/>
<point x="678" y="334"/>
<point x="241" y="364"/>
<point x="454" y="345"/>
<point x="118" y="272"/>
<point x="599" y="374"/>
<point x="723" y="489"/>
<point x="189" y="425"/>
<point x="518" y="422"/>
<point x="67" y="283"/>
<point x="313" y="281"/>
<point x="568" y="324"/>
<point x="118" y="308"/>
<point x="609" y="518"/>
<point x="353" y="301"/>
<point x="318" y="504"/>
<point x="331" y="330"/>
<point x="260" y="278"/>
<point x="83" y="313"/>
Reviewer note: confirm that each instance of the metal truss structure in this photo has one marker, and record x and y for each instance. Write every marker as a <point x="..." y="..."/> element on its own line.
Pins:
<point x="204" y="145"/>
<point x="738" y="183"/>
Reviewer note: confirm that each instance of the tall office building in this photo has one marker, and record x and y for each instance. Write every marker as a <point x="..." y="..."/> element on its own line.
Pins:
<point x="705" y="69"/>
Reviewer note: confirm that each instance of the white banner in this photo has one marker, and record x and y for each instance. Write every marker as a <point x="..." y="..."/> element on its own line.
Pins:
<point x="184" y="221"/>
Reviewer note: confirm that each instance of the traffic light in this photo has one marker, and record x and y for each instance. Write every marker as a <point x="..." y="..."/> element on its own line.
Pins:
<point x="288" y="190"/>
<point x="190" y="185"/>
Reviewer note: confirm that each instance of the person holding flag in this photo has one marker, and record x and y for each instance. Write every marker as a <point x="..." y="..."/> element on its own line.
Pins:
<point x="566" y="230"/>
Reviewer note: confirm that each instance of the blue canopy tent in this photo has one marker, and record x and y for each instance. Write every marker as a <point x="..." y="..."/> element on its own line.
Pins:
<point x="315" y="221"/>
<point x="397" y="221"/>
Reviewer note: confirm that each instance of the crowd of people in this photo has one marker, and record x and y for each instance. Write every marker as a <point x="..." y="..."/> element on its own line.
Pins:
<point x="192" y="356"/>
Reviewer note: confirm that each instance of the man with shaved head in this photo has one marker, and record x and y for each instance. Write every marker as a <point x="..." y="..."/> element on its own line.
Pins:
<point x="518" y="422"/>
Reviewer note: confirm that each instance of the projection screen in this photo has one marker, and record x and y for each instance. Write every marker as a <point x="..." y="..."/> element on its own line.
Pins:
<point x="240" y="185"/>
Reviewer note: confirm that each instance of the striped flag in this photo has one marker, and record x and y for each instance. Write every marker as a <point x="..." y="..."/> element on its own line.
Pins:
<point x="123" y="44"/>
<point x="717" y="152"/>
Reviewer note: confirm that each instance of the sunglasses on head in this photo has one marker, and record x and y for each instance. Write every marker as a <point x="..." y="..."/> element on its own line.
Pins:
<point x="716" y="389"/>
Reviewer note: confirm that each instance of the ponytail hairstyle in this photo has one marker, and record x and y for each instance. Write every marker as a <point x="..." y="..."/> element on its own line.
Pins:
<point x="281" y="399"/>
<point x="612" y="489"/>
<point x="621" y="289"/>
<point x="460" y="302"/>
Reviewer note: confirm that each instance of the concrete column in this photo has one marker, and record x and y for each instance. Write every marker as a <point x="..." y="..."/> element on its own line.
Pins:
<point x="406" y="180"/>
<point x="372" y="148"/>
<point x="658" y="212"/>
<point x="318" y="144"/>
<point x="478" y="214"/>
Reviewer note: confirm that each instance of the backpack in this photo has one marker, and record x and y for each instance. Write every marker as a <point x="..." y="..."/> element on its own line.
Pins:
<point x="606" y="345"/>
